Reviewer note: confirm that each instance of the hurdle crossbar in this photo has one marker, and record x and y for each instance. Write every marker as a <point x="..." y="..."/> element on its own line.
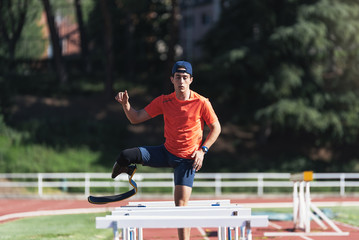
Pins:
<point x="306" y="176"/>
<point x="190" y="203"/>
<point x="146" y="208"/>
<point x="184" y="211"/>
<point x="179" y="221"/>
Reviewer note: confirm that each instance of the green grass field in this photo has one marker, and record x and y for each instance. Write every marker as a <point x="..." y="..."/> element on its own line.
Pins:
<point x="82" y="226"/>
<point x="75" y="227"/>
<point x="349" y="215"/>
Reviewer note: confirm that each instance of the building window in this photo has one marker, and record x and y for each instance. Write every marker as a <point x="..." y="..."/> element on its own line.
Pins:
<point x="188" y="21"/>
<point x="206" y="19"/>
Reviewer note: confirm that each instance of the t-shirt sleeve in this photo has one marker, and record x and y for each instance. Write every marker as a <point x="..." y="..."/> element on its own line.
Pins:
<point x="208" y="113"/>
<point x="155" y="108"/>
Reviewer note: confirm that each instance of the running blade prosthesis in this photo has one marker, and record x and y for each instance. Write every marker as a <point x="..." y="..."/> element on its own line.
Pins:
<point x="119" y="197"/>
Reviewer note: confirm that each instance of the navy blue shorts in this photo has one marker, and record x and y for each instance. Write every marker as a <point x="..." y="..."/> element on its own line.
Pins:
<point x="158" y="156"/>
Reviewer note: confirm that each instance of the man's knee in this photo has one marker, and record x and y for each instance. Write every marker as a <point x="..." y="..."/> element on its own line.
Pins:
<point x="129" y="156"/>
<point x="182" y="195"/>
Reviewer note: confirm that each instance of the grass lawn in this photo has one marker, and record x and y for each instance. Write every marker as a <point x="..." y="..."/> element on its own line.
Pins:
<point x="82" y="226"/>
<point x="77" y="227"/>
<point x="349" y="215"/>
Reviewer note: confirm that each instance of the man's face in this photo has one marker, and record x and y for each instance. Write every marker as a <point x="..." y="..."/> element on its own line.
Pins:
<point x="181" y="81"/>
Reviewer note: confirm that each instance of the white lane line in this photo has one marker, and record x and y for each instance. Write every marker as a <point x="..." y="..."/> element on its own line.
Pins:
<point x="276" y="226"/>
<point x="306" y="238"/>
<point x="203" y="233"/>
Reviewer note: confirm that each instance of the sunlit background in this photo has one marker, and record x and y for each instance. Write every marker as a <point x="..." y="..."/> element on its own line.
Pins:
<point x="282" y="76"/>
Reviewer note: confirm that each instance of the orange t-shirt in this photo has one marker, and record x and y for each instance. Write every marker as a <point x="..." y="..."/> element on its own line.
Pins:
<point x="184" y="121"/>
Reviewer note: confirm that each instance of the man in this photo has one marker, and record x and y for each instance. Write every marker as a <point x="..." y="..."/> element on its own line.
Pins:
<point x="184" y="113"/>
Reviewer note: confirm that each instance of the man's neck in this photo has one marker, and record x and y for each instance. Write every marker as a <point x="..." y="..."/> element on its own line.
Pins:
<point x="183" y="96"/>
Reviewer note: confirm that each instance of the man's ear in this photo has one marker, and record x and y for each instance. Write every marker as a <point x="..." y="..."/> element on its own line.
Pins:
<point x="171" y="79"/>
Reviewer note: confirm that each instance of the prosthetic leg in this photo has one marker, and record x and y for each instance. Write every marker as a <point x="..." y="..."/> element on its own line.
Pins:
<point x="114" y="198"/>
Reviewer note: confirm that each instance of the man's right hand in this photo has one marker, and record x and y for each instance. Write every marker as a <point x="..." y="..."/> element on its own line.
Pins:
<point x="132" y="114"/>
<point x="122" y="97"/>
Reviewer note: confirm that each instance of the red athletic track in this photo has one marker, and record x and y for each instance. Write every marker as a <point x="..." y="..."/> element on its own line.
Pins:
<point x="12" y="206"/>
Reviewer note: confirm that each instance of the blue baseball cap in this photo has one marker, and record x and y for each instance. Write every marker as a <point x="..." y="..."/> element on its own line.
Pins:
<point x="182" y="64"/>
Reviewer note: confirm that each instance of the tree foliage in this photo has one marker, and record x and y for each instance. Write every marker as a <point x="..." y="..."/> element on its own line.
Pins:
<point x="292" y="64"/>
<point x="287" y="66"/>
<point x="60" y="67"/>
<point x="19" y="22"/>
<point x="138" y="27"/>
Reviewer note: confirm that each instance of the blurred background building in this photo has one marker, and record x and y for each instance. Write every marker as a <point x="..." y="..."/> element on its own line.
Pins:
<point x="197" y="17"/>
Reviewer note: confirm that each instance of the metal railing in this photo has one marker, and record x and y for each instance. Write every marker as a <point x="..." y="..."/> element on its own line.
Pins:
<point x="218" y="181"/>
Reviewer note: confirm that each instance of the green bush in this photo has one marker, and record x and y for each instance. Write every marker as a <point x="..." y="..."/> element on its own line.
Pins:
<point x="18" y="154"/>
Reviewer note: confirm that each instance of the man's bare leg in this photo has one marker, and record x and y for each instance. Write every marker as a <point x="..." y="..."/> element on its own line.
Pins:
<point x="182" y="195"/>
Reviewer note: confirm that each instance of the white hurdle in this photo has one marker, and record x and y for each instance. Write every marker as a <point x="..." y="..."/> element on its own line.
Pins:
<point x="304" y="209"/>
<point x="184" y="211"/>
<point x="129" y="218"/>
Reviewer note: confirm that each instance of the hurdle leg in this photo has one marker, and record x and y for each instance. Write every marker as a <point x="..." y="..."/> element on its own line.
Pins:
<point x="318" y="221"/>
<point x="232" y="233"/>
<point x="307" y="204"/>
<point x="295" y="204"/>
<point x="249" y="230"/>
<point x="243" y="232"/>
<point x="236" y="233"/>
<point x="302" y="206"/>
<point x="140" y="234"/>
<point x="325" y="218"/>
<point x="223" y="233"/>
<point x="132" y="232"/>
<point x="123" y="233"/>
<point x="127" y="234"/>
<point x="115" y="231"/>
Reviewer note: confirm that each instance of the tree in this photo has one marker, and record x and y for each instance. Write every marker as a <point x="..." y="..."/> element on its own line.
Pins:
<point x="59" y="63"/>
<point x="140" y="28"/>
<point x="291" y="66"/>
<point x="12" y="21"/>
<point x="314" y="86"/>
<point x="108" y="41"/>
<point x="83" y="37"/>
<point x="173" y="38"/>
<point x="238" y="48"/>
